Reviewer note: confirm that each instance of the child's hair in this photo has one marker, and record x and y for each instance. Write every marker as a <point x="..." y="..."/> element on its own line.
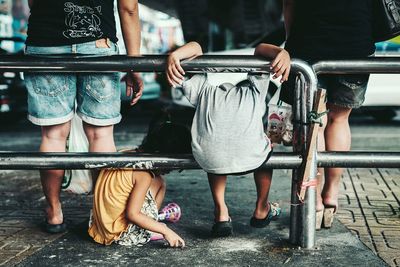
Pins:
<point x="164" y="136"/>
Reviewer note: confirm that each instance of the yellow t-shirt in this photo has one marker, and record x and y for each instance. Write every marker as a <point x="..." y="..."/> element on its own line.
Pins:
<point x="111" y="194"/>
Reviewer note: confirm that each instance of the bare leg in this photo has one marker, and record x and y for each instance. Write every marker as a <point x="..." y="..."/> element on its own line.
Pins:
<point x="262" y="179"/>
<point x="217" y="186"/>
<point x="101" y="139"/>
<point x="157" y="189"/>
<point x="53" y="140"/>
<point x="337" y="138"/>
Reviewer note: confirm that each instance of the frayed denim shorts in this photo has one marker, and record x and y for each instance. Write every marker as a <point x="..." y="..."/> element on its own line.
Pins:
<point x="52" y="96"/>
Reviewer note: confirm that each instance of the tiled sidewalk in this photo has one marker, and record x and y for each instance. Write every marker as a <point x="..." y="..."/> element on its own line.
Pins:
<point x="370" y="207"/>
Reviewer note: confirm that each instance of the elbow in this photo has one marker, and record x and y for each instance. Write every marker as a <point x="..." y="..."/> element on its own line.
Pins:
<point x="132" y="216"/>
<point x="129" y="10"/>
<point x="257" y="51"/>
<point x="195" y="47"/>
<point x="199" y="50"/>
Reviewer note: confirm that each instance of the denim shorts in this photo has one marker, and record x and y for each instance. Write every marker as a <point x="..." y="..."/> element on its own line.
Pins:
<point x="344" y="90"/>
<point x="52" y="96"/>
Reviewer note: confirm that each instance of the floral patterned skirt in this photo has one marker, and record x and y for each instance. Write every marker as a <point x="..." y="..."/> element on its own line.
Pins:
<point x="135" y="235"/>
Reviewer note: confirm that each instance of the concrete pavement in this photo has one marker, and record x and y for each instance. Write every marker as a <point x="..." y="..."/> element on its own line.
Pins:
<point x="369" y="208"/>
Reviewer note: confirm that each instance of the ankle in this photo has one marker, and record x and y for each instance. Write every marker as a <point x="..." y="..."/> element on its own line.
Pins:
<point x="261" y="210"/>
<point x="54" y="214"/>
<point x="221" y="213"/>
<point x="330" y="200"/>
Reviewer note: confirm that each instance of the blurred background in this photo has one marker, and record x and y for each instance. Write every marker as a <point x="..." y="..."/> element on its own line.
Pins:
<point x="234" y="26"/>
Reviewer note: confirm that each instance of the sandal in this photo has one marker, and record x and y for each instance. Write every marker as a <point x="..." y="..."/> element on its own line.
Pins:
<point x="319" y="215"/>
<point x="156" y="236"/>
<point x="273" y="214"/>
<point x="54" y="228"/>
<point x="329" y="214"/>
<point x="222" y="229"/>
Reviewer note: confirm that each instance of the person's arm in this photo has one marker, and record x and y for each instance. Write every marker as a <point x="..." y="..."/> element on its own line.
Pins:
<point x="288" y="13"/>
<point x="281" y="59"/>
<point x="134" y="214"/>
<point x="175" y="71"/>
<point x="129" y="16"/>
<point x="130" y="25"/>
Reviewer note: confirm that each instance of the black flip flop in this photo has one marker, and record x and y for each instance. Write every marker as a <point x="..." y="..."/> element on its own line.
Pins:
<point x="55" y="228"/>
<point x="222" y="229"/>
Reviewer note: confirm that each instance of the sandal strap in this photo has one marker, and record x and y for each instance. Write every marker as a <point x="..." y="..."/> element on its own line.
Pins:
<point x="275" y="210"/>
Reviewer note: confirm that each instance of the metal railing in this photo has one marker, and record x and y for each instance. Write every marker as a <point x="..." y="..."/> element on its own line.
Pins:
<point x="302" y="226"/>
<point x="299" y="232"/>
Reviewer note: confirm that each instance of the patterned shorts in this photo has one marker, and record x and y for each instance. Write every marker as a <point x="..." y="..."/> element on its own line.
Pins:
<point x="52" y="96"/>
<point x="134" y="235"/>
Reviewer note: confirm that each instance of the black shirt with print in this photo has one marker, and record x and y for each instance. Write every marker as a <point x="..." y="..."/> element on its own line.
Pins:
<point x="59" y="22"/>
<point x="331" y="29"/>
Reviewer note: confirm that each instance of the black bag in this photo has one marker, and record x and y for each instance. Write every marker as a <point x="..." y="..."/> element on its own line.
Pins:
<point x="386" y="19"/>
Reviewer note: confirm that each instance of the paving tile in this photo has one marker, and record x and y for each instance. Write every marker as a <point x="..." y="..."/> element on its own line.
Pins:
<point x="370" y="208"/>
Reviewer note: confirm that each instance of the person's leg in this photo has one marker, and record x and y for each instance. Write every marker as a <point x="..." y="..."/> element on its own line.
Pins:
<point x="337" y="138"/>
<point x="51" y="99"/>
<point x="99" y="100"/>
<point x="217" y="185"/>
<point x="157" y="189"/>
<point x="53" y="140"/>
<point x="101" y="138"/>
<point x="262" y="179"/>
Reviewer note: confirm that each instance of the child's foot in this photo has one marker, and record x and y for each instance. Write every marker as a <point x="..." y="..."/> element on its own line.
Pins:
<point x="156" y="236"/>
<point x="222" y="229"/>
<point x="222" y="222"/>
<point x="273" y="213"/>
<point x="221" y="214"/>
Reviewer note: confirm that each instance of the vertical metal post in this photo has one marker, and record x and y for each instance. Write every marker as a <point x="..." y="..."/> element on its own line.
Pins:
<point x="295" y="215"/>
<point x="302" y="222"/>
<point x="308" y="209"/>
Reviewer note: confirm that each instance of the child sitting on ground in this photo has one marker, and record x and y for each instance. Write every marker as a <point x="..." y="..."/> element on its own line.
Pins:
<point x="126" y="201"/>
<point x="227" y="131"/>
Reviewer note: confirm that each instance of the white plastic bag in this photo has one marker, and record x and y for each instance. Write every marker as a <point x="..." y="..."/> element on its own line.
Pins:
<point x="279" y="121"/>
<point x="77" y="181"/>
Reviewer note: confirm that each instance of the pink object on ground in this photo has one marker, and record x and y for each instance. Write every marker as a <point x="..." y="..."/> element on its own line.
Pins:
<point x="170" y="213"/>
<point x="156" y="236"/>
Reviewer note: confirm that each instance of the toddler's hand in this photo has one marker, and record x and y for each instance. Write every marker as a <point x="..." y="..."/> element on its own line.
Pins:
<point x="173" y="239"/>
<point x="281" y="65"/>
<point x="174" y="70"/>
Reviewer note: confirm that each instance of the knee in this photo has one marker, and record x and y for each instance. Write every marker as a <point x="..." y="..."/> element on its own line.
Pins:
<point x="56" y="133"/>
<point x="338" y="114"/>
<point x="94" y="133"/>
<point x="160" y="183"/>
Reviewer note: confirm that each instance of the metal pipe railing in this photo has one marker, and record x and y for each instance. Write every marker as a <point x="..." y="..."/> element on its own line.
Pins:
<point x="148" y="63"/>
<point x="143" y="161"/>
<point x="302" y="234"/>
<point x="302" y="228"/>
<point x="358" y="66"/>
<point x="140" y="161"/>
